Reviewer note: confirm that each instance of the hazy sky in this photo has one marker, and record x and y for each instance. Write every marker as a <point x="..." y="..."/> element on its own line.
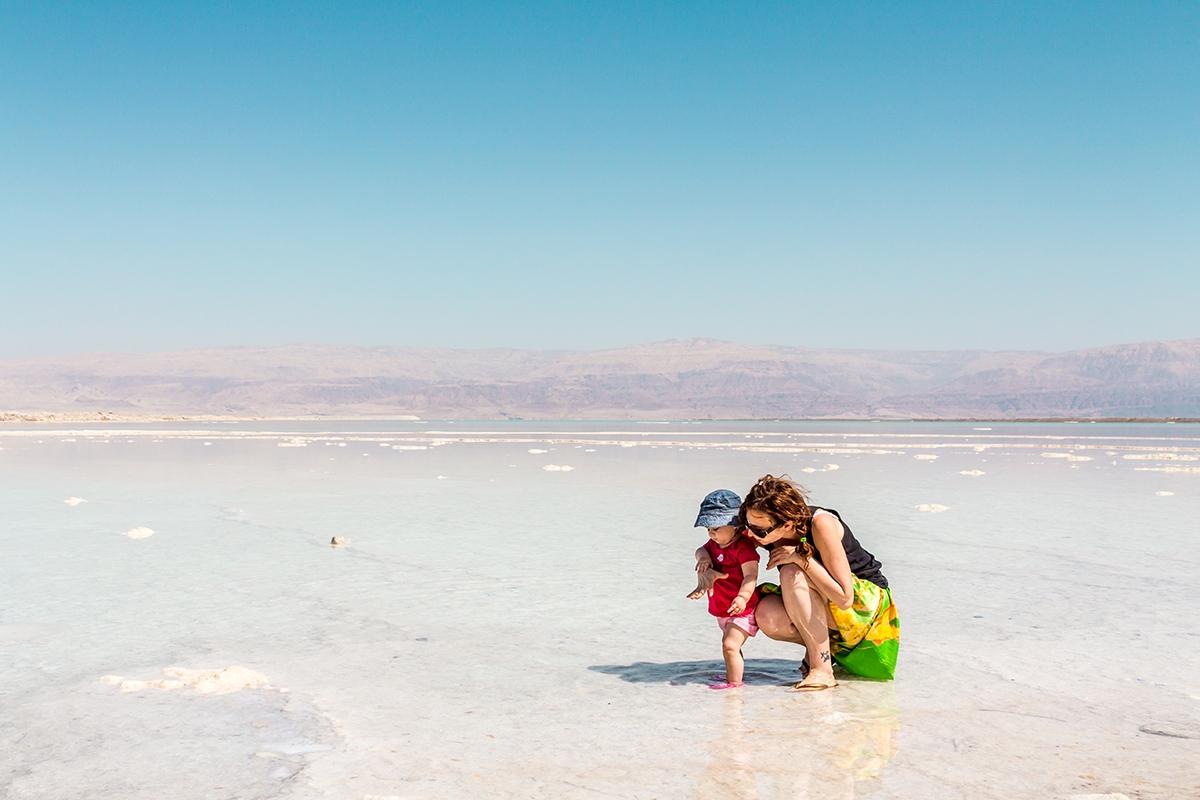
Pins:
<point x="590" y="175"/>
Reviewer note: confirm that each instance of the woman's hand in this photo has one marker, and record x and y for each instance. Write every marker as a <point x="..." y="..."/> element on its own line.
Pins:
<point x="785" y="554"/>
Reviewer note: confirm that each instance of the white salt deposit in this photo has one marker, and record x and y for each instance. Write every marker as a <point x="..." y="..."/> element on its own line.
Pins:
<point x="972" y="472"/>
<point x="1158" y="457"/>
<point x="925" y="457"/>
<point x="935" y="508"/>
<point x="340" y="541"/>
<point x="74" y="501"/>
<point x="557" y="468"/>
<point x="409" y="447"/>
<point x="537" y="451"/>
<point x="203" y="681"/>
<point x="139" y="533"/>
<point x="1165" y="494"/>
<point x="1166" y="469"/>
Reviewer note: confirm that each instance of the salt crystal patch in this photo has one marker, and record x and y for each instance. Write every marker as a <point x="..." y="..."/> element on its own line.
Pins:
<point x="972" y="472"/>
<point x="935" y="508"/>
<point x="443" y="477"/>
<point x="112" y="680"/>
<point x="926" y="457"/>
<point x="204" y="681"/>
<point x="408" y="447"/>
<point x="74" y="501"/>
<point x="139" y="533"/>
<point x="535" y="451"/>
<point x="557" y="468"/>
<point x="1111" y="796"/>
<point x="1056" y="455"/>
<point x="1165" y="494"/>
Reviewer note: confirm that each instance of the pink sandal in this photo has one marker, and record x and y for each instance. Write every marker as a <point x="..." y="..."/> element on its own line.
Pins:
<point x="717" y="687"/>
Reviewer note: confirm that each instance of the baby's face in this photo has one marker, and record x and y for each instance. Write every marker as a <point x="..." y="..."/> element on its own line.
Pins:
<point x="723" y="535"/>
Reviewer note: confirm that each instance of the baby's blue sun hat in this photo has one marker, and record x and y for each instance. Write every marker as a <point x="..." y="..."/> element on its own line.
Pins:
<point x="719" y="508"/>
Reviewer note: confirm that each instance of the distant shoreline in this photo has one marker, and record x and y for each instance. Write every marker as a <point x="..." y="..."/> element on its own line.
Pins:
<point x="53" y="418"/>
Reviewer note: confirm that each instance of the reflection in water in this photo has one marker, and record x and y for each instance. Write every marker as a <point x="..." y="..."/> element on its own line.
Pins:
<point x="796" y="745"/>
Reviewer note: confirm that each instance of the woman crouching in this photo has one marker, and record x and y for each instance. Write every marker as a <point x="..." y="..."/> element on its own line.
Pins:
<point x="833" y="596"/>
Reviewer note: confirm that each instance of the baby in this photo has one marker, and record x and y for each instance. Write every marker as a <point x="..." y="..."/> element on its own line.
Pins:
<point x="730" y="582"/>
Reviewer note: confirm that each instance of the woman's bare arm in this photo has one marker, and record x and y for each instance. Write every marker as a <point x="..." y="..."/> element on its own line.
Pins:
<point x="833" y="579"/>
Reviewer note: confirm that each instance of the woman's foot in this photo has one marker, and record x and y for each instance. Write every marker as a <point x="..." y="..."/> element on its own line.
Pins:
<point x="816" y="681"/>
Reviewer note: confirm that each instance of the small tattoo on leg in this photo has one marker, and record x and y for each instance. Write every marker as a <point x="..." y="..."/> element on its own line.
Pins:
<point x="825" y="656"/>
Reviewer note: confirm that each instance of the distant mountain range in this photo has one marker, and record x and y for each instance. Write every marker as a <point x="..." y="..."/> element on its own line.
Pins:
<point x="676" y="379"/>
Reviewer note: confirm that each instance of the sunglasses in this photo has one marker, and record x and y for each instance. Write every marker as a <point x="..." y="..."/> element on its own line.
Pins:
<point x="759" y="533"/>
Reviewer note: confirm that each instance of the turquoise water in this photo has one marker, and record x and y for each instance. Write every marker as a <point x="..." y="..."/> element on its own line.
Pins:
<point x="495" y="628"/>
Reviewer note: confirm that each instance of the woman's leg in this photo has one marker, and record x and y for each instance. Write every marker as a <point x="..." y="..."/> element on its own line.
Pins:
<point x="731" y="646"/>
<point x="807" y="610"/>
<point x="773" y="620"/>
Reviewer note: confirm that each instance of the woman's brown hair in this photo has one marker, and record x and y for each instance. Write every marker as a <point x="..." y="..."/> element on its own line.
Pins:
<point x="784" y="500"/>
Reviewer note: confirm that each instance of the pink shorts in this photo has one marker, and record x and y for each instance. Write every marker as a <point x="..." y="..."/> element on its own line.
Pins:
<point x="745" y="622"/>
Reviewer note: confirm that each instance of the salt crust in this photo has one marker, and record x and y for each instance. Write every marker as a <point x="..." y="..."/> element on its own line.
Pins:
<point x="1159" y="457"/>
<point x="972" y="472"/>
<point x="536" y="451"/>
<point x="557" y="468"/>
<point x="1165" y="494"/>
<point x="74" y="501"/>
<point x="926" y="457"/>
<point x="933" y="508"/>
<point x="203" y="681"/>
<point x="826" y="468"/>
<point x="139" y="533"/>
<point x="1067" y="456"/>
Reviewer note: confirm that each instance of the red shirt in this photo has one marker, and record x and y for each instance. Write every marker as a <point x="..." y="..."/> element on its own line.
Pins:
<point x="729" y="560"/>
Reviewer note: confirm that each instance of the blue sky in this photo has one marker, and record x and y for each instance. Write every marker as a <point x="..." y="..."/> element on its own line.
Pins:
<point x="874" y="175"/>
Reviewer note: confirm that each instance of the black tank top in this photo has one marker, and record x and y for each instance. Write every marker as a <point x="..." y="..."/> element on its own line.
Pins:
<point x="862" y="563"/>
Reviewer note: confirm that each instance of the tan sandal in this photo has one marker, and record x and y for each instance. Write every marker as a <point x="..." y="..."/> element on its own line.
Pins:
<point x="812" y="687"/>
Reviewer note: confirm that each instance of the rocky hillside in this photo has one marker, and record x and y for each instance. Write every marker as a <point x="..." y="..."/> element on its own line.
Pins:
<point x="696" y="378"/>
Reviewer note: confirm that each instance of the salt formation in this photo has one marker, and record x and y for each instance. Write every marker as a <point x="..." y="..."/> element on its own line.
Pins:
<point x="536" y="451"/>
<point x="972" y="472"/>
<point x="1165" y="494"/>
<point x="926" y="457"/>
<point x="74" y="501"/>
<point x="935" y="508"/>
<point x="557" y="468"/>
<point x="203" y="681"/>
<point x="139" y="533"/>
<point x="340" y="541"/>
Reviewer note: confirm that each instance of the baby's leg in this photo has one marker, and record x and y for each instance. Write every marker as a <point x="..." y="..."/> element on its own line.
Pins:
<point x="731" y="645"/>
<point x="704" y="583"/>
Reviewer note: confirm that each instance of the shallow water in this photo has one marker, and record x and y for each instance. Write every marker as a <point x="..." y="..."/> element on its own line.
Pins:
<point x="495" y="628"/>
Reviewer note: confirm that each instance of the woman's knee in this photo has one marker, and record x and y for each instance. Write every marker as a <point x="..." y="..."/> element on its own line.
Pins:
<point x="790" y="575"/>
<point x="773" y="620"/>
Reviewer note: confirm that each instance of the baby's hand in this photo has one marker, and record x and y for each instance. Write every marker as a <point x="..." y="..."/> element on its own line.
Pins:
<point x="736" y="607"/>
